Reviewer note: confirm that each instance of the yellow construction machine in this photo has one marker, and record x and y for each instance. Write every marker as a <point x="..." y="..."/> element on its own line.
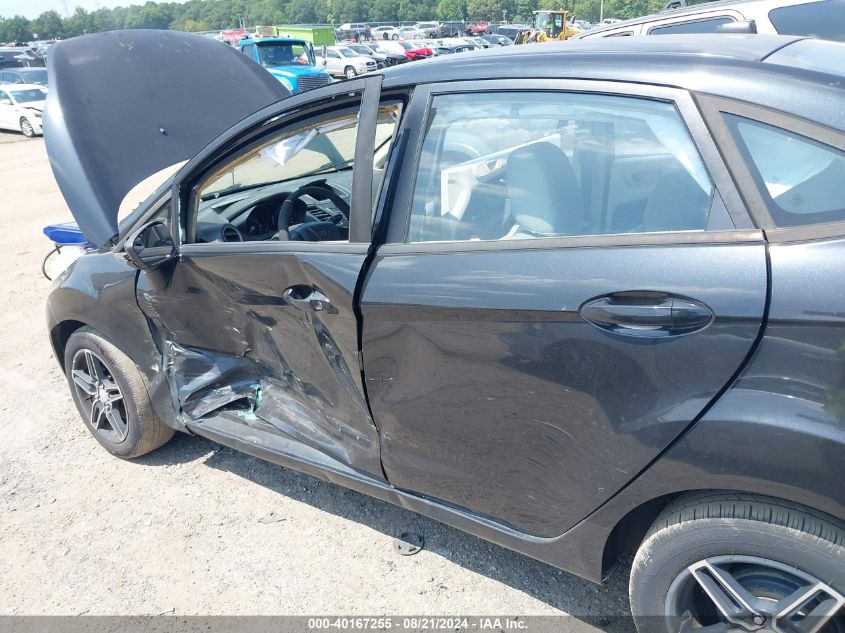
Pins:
<point x="549" y="26"/>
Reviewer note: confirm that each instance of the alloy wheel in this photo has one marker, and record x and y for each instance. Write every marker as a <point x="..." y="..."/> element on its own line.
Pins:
<point x="350" y="72"/>
<point x="26" y="128"/>
<point x="738" y="594"/>
<point x="101" y="398"/>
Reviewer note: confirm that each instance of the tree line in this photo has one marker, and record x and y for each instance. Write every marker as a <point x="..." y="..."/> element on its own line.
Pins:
<point x="213" y="15"/>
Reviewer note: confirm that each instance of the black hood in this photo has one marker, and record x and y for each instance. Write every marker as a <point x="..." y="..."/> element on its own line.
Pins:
<point x="124" y="105"/>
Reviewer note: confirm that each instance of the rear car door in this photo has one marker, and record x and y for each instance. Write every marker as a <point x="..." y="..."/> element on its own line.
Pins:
<point x="259" y="334"/>
<point x="569" y="279"/>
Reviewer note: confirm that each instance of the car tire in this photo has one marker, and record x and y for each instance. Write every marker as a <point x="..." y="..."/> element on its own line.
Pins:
<point x="26" y="128"/>
<point x="127" y="426"/>
<point x="395" y="36"/>
<point x="766" y="547"/>
<point x="349" y="72"/>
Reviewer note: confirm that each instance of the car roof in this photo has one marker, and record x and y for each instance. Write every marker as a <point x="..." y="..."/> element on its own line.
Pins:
<point x="721" y="64"/>
<point x="704" y="7"/>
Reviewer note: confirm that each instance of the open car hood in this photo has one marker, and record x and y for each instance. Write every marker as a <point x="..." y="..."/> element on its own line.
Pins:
<point x="124" y="105"/>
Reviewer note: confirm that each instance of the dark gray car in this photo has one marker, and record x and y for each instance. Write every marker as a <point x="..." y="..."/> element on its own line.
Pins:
<point x="582" y="300"/>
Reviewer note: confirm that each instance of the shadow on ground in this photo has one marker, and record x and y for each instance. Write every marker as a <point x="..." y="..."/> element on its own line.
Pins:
<point x="605" y="609"/>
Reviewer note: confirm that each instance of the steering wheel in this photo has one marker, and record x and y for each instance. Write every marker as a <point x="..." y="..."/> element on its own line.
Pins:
<point x="286" y="211"/>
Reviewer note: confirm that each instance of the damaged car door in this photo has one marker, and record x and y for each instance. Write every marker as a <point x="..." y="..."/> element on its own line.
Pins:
<point x="255" y="319"/>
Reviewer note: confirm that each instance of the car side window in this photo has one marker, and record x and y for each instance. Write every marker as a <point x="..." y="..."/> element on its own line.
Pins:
<point x="3" y="95"/>
<point x="800" y="179"/>
<point x="508" y="165"/>
<point x="824" y="20"/>
<point x="697" y="26"/>
<point x="294" y="183"/>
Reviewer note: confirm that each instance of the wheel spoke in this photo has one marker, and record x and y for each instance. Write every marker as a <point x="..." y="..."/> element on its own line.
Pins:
<point x="84" y="382"/>
<point x="91" y="362"/>
<point x="732" y="600"/>
<point x="116" y="421"/>
<point x="794" y="615"/>
<point x="97" y="411"/>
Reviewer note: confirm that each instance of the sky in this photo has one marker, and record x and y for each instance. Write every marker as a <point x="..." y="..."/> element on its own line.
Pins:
<point x="33" y="8"/>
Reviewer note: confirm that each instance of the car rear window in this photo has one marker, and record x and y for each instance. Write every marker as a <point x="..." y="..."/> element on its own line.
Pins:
<point x="825" y="19"/>
<point x="800" y="178"/>
<point x="817" y="55"/>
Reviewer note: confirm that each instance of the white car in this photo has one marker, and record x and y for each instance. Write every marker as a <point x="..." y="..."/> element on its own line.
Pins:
<point x="21" y="106"/>
<point x="385" y="33"/>
<point x="429" y="29"/>
<point x="342" y="61"/>
<point x="410" y="33"/>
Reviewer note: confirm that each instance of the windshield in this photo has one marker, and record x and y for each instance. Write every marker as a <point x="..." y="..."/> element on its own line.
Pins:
<point x="36" y="77"/>
<point x="407" y="46"/>
<point x="27" y="96"/>
<point x="284" y="54"/>
<point x="361" y="49"/>
<point x="347" y="52"/>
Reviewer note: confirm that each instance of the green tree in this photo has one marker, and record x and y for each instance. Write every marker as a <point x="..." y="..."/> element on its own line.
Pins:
<point x="148" y="16"/>
<point x="451" y="9"/>
<point x="48" y="25"/>
<point x="15" y="29"/>
<point x="80" y="22"/>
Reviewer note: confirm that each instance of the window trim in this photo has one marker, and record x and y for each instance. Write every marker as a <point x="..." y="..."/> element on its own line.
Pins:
<point x="713" y="108"/>
<point x="419" y="115"/>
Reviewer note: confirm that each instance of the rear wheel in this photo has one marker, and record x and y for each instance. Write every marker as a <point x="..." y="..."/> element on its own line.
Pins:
<point x="111" y="396"/>
<point x="350" y="72"/>
<point x="26" y="128"/>
<point x="730" y="562"/>
<point x="395" y="36"/>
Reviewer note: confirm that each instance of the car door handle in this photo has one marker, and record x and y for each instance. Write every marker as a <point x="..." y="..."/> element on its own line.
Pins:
<point x="646" y="314"/>
<point x="305" y="296"/>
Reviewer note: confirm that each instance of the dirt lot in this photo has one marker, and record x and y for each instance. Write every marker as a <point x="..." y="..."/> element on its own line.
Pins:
<point x="178" y="531"/>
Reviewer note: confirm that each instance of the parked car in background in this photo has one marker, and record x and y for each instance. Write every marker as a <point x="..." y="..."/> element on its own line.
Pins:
<point x="479" y="42"/>
<point x="414" y="50"/>
<point x="594" y="316"/>
<point x="354" y="30"/>
<point x="37" y="76"/>
<point x="450" y="48"/>
<point x="498" y="40"/>
<point x="385" y="33"/>
<point x="511" y="30"/>
<point x="10" y="58"/>
<point x="478" y="28"/>
<point x="452" y="28"/>
<point x="382" y="57"/>
<point x="411" y="33"/>
<point x="823" y="19"/>
<point x="21" y="107"/>
<point x="342" y="61"/>
<point x="583" y="25"/>
<point x="291" y="61"/>
<point x="429" y="29"/>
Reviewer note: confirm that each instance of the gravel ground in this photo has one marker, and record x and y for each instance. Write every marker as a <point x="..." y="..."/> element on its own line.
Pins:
<point x="179" y="530"/>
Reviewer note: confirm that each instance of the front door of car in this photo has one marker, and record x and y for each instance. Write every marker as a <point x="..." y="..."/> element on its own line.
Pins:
<point x="255" y="319"/>
<point x="569" y="279"/>
<point x="7" y="110"/>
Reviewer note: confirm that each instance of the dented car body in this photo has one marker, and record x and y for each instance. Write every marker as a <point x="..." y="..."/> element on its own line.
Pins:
<point x="546" y="387"/>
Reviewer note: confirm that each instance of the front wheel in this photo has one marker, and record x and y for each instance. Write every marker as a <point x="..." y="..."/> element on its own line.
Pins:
<point x="350" y="72"/>
<point x="729" y="562"/>
<point x="26" y="128"/>
<point x="111" y="396"/>
<point x="395" y="36"/>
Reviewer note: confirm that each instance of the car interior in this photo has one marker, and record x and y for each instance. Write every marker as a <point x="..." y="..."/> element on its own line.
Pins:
<point x="516" y="166"/>
<point x="295" y="185"/>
